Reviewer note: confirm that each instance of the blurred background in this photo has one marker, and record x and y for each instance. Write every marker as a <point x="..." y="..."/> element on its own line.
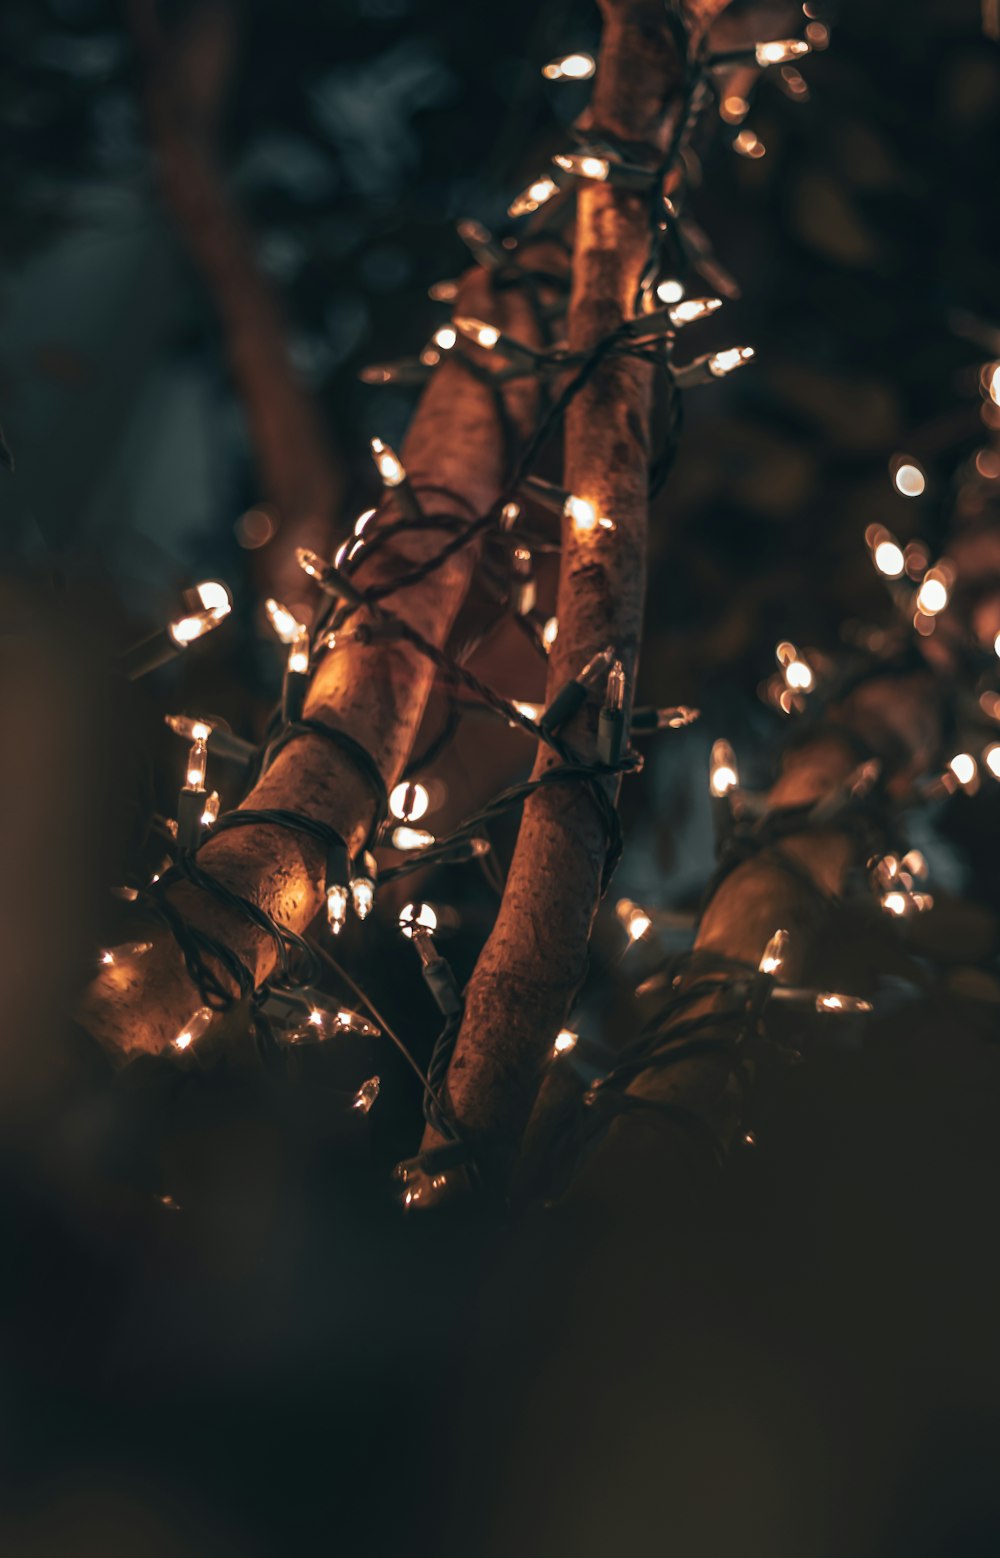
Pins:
<point x="212" y="218"/>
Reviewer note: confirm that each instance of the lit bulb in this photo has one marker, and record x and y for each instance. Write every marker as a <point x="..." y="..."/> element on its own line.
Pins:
<point x="693" y="308"/>
<point x="112" y="957"/>
<point x="993" y="382"/>
<point x="932" y="595"/>
<point x="909" y="479"/>
<point x="390" y="467"/>
<point x="197" y="766"/>
<point x="409" y="802"/>
<point x="635" y="920"/>
<point x="586" y="167"/>
<point x="566" y="1040"/>
<point x="214" y="596"/>
<point x="888" y="559"/>
<point x="670" y="291"/>
<point x="749" y="145"/>
<point x="284" y="622"/>
<point x="569" y="67"/>
<point x="187" y="629"/>
<point x="210" y="810"/>
<point x="411" y="838"/>
<point x="796" y="671"/>
<point x="780" y="51"/>
<point x="298" y="654"/>
<point x="336" y="907"/>
<point x="311" y="563"/>
<point x="190" y="729"/>
<point x="550" y="632"/>
<point x="723" y="773"/>
<point x="582" y="513"/>
<point x="721" y="363"/>
<point x="366" y="1095"/>
<point x="417" y="914"/>
<point x="534" y="196"/>
<point x="362" y="896"/>
<point x="193" y="1028"/>
<point x="963" y="766"/>
<point x="991" y="757"/>
<point x="480" y="332"/>
<point x="773" y="955"/>
<point x="828" y="1001"/>
<point x="445" y="337"/>
<point x="914" y="862"/>
<point x="895" y="903"/>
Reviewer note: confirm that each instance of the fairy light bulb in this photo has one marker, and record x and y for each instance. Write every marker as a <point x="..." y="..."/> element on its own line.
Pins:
<point x="991" y="758"/>
<point x="193" y="1029"/>
<point x="445" y="337"/>
<point x="366" y="1095"/>
<point x="909" y="479"/>
<point x="190" y="729"/>
<point x="773" y="956"/>
<point x="388" y="464"/>
<point x="831" y="1001"/>
<point x="362" y="896"/>
<point x="582" y="514"/>
<point x="550" y="632"/>
<point x="479" y="331"/>
<point x="284" y="622"/>
<point x="895" y="903"/>
<point x="796" y="671"/>
<point x="536" y="195"/>
<point x="363" y="520"/>
<point x="749" y="144"/>
<point x="963" y="766"/>
<point x="114" y="957"/>
<point x="888" y="559"/>
<point x="336" y="907"/>
<point x="404" y="837"/>
<point x="670" y="291"/>
<point x="570" y="67"/>
<point x="933" y="594"/>
<point x="214" y="596"/>
<point x="566" y="1040"/>
<point x="417" y="916"/>
<point x="210" y="810"/>
<point x="298" y="653"/>
<point x="197" y="766"/>
<point x="634" y="919"/>
<point x="311" y="563"/>
<point x="584" y="165"/>
<point x="186" y="630"/>
<point x="692" y="309"/>
<point x="409" y="802"/>
<point x="721" y="363"/>
<point x="993" y="382"/>
<point x="780" y="51"/>
<point x="723" y="775"/>
<point x="914" y="863"/>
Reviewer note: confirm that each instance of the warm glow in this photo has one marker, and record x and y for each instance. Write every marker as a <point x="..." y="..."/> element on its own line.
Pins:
<point x="829" y="1002"/>
<point x="534" y="196"/>
<point x="796" y="671"/>
<point x="550" y="632"/>
<point x="780" y="51"/>
<point x="725" y="362"/>
<point x="363" y="896"/>
<point x="366" y="1095"/>
<point x="734" y="108"/>
<point x="774" y="953"/>
<point x="214" y="596"/>
<point x="197" y="765"/>
<point x="749" y="145"/>
<point x="963" y="766"/>
<point x="895" y="903"/>
<point x="566" y="1040"/>
<point x="723" y="773"/>
<point x="409" y="802"/>
<point x="888" y="559"/>
<point x="310" y="562"/>
<point x="186" y="629"/>
<point x="584" y="166"/>
<point x="111" y="957"/>
<point x="210" y="811"/>
<point x="694" y="308"/>
<point x="445" y="337"/>
<point x="284" y="622"/>
<point x="991" y="757"/>
<point x="635" y="919"/>
<point x="417" y="914"/>
<point x="670" y="291"/>
<point x="569" y="67"/>
<point x="529" y="710"/>
<point x="336" y="907"/>
<point x="582" y="513"/>
<point x="993" y="382"/>
<point x="477" y="330"/>
<point x="190" y="729"/>
<point x="909" y="479"/>
<point x="298" y="654"/>
<point x="193" y="1028"/>
<point x="390" y="467"/>
<point x="411" y="838"/>
<point x="932" y="595"/>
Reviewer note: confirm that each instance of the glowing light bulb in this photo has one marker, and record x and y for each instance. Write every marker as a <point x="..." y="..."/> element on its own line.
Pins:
<point x="529" y="710"/>
<point x="409" y="802"/>
<point x="693" y="308"/>
<point x="914" y="862"/>
<point x="197" y="766"/>
<point x="796" y="671"/>
<point x="214" y="596"/>
<point x="582" y="513"/>
<point x="284" y="622"/>
<point x="584" y="165"/>
<point x="570" y="67"/>
<point x="773" y="956"/>
<point x="479" y="331"/>
<point x="780" y="51"/>
<point x="895" y="903"/>
<point x="550" y="632"/>
<point x="932" y="596"/>
<point x="298" y="654"/>
<point x="670" y="291"/>
<point x="190" y="729"/>
<point x="444" y="336"/>
<point x="417" y="916"/>
<point x="362" y="896"/>
<point x="113" y="957"/>
<point x="311" y="563"/>
<point x="909" y="479"/>
<point x="635" y="919"/>
<point x="734" y="108"/>
<point x="721" y="363"/>
<point x="536" y="194"/>
<point x="963" y="766"/>
<point x="363" y="520"/>
<point x="187" y="629"/>
<point x="566" y="1040"/>
<point x="210" y="810"/>
<point x="888" y="559"/>
<point x="193" y="1029"/>
<point x="749" y="145"/>
<point x="336" y="907"/>
<point x="723" y="774"/>
<point x="991" y="757"/>
<point x="388" y="464"/>
<point x="366" y="1095"/>
<point x="405" y="838"/>
<point x="829" y="1001"/>
<point x="993" y="382"/>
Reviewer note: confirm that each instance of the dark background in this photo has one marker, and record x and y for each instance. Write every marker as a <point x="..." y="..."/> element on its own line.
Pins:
<point x="798" y="1359"/>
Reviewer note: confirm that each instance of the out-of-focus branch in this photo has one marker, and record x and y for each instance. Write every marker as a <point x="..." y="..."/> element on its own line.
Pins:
<point x="184" y="81"/>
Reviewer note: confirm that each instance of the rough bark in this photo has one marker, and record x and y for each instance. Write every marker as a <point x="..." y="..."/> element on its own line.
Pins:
<point x="535" y="958"/>
<point x="183" y="85"/>
<point x="376" y="693"/>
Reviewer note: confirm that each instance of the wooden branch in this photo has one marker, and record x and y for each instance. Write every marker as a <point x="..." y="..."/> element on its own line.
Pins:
<point x="376" y="693"/>
<point x="300" y="480"/>
<point x="535" y="959"/>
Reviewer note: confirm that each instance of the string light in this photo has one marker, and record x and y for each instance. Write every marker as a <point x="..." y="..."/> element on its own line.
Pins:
<point x="991" y="758"/>
<point x="773" y="956"/>
<point x="221" y="743"/>
<point x="406" y="838"/>
<point x="491" y="339"/>
<point x="566" y="1040"/>
<point x="966" y="770"/>
<point x="187" y="630"/>
<point x="570" y="67"/>
<point x="537" y="194"/>
<point x="780" y="51"/>
<point x="214" y="596"/>
<point x="366" y="1095"/>
<point x="283" y="621"/>
<point x="933" y="594"/>
<point x="848" y="1005"/>
<point x="886" y="552"/>
<point x="196" y="1025"/>
<point x="570" y="698"/>
<point x="714" y="366"/>
<point x="747" y="144"/>
<point x="634" y="919"/>
<point x="336" y="907"/>
<point x="362" y="885"/>
<point x="409" y="802"/>
<point x="796" y="670"/>
<point x="723" y="774"/>
<point x="611" y="723"/>
<point x="417" y="916"/>
<point x="584" y="165"/>
<point x="210" y="810"/>
<point x="152" y="652"/>
<point x="908" y="478"/>
<point x="550" y="632"/>
<point x="670" y="291"/>
<point x="114" y="957"/>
